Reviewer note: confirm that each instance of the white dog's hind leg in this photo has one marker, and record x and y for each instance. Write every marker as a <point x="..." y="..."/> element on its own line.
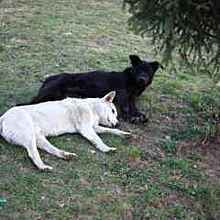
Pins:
<point x="18" y="129"/>
<point x="34" y="155"/>
<point x="90" y="134"/>
<point x="44" y="144"/>
<point x="100" y="129"/>
<point x="29" y="142"/>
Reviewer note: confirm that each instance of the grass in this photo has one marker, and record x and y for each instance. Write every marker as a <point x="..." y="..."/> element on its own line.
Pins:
<point x="159" y="174"/>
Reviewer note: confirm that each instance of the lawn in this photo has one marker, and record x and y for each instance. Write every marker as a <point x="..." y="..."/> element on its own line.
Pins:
<point x="169" y="169"/>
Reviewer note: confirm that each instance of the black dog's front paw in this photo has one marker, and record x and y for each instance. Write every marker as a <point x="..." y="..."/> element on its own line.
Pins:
<point x="141" y="118"/>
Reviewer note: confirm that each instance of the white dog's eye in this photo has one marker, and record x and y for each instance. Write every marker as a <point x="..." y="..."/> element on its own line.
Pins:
<point x="113" y="111"/>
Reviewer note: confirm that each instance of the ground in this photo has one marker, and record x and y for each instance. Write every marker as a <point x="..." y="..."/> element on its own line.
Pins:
<point x="169" y="169"/>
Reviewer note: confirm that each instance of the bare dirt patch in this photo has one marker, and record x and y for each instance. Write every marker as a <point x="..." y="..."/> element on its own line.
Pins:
<point x="209" y="154"/>
<point x="210" y="162"/>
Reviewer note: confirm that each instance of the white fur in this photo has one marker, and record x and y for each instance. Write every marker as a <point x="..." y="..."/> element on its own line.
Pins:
<point x="29" y="125"/>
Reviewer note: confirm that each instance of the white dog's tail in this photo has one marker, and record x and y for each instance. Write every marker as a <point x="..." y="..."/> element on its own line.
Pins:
<point x="1" y="119"/>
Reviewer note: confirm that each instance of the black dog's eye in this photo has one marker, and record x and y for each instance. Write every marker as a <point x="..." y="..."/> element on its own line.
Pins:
<point x="113" y="111"/>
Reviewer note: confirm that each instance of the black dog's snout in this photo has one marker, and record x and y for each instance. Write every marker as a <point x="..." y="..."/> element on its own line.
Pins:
<point x="142" y="81"/>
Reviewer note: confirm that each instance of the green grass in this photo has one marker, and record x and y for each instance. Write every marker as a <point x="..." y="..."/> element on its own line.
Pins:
<point x="152" y="175"/>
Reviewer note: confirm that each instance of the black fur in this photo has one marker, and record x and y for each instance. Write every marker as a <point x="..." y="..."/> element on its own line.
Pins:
<point x="128" y="84"/>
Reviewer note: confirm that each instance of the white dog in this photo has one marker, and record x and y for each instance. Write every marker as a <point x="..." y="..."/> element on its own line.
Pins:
<point x="29" y="125"/>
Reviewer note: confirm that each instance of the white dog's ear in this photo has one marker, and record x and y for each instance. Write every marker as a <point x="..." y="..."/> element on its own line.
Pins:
<point x="109" y="97"/>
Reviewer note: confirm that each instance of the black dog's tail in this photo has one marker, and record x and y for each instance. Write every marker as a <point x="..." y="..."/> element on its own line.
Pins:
<point x="20" y="104"/>
<point x="41" y="97"/>
<point x="24" y="103"/>
<point x="33" y="101"/>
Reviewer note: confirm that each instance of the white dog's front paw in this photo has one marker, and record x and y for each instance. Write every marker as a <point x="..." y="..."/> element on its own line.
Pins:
<point x="45" y="168"/>
<point x="107" y="149"/>
<point x="68" y="155"/>
<point x="128" y="134"/>
<point x="113" y="148"/>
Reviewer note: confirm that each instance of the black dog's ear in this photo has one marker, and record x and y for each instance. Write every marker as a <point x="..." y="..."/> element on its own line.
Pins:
<point x="155" y="65"/>
<point x="135" y="60"/>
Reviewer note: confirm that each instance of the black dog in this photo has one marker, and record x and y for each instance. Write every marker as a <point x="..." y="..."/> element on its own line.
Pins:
<point x="128" y="85"/>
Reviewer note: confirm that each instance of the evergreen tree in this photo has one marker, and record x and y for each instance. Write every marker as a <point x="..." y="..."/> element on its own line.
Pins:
<point x="190" y="28"/>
